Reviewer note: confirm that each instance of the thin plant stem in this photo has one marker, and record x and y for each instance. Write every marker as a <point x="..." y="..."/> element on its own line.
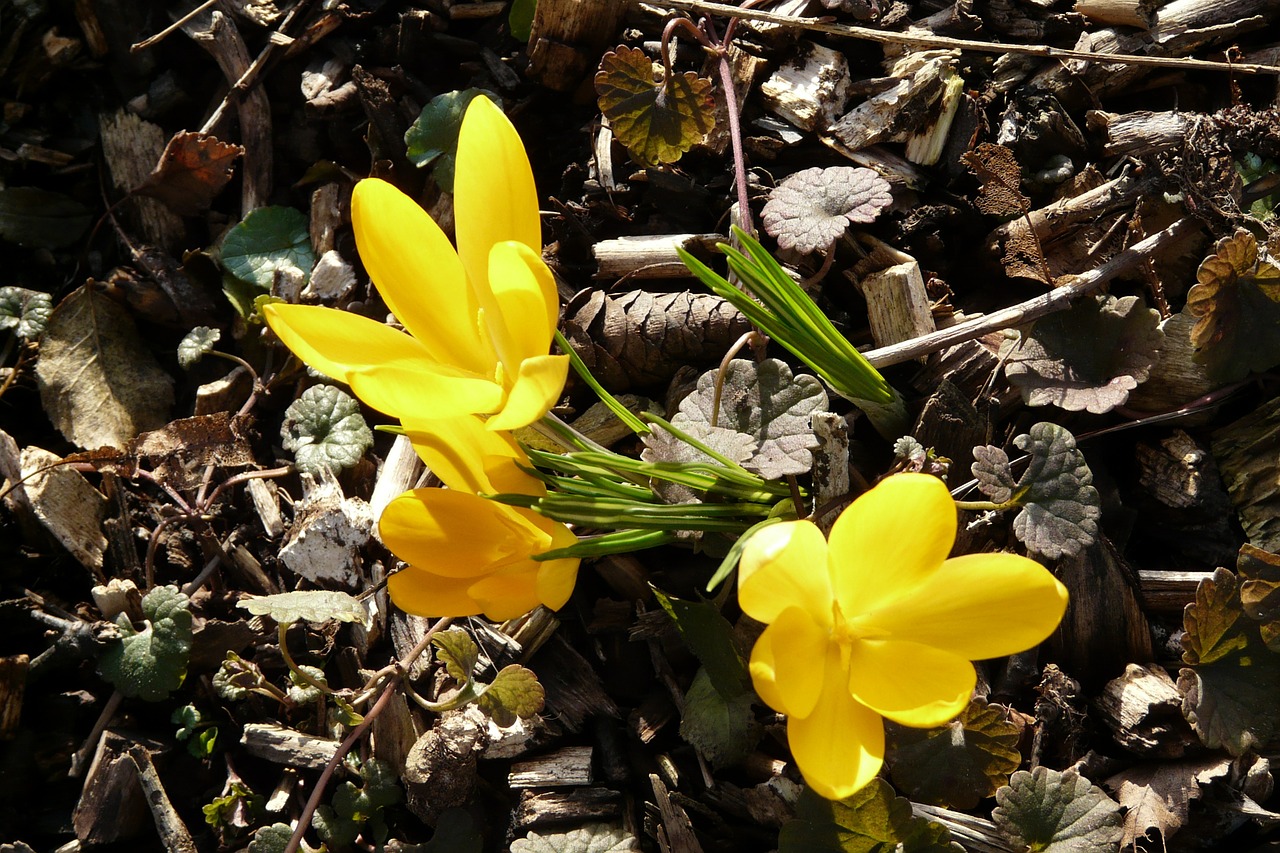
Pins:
<point x="741" y="342"/>
<point x="282" y="631"/>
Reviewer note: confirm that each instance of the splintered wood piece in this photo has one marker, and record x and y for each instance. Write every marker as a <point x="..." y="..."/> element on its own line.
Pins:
<point x="1169" y="591"/>
<point x="897" y="303"/>
<point x="810" y="89"/>
<point x="567" y="767"/>
<point x="1125" y="13"/>
<point x="574" y="690"/>
<point x="1143" y="710"/>
<point x="572" y="805"/>
<point x="279" y="745"/>
<point x="328" y="534"/>
<point x="1176" y="378"/>
<point x="916" y="85"/>
<point x="568" y="38"/>
<point x="675" y="834"/>
<point x="266" y="503"/>
<point x="649" y="255"/>
<point x="1142" y="132"/>
<point x="131" y="146"/>
<point x="112" y="806"/>
<point x="172" y="831"/>
<point x="951" y="425"/>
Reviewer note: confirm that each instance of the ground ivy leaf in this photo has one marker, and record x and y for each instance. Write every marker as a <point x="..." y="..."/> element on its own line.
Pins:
<point x="301" y="692"/>
<point x="958" y="764"/>
<point x="311" y="605"/>
<point x="991" y="468"/>
<point x="151" y="662"/>
<point x="765" y="401"/>
<point x="324" y="429"/>
<point x="808" y="211"/>
<point x="432" y="139"/>
<point x="275" y="839"/>
<point x="1211" y="621"/>
<point x="515" y="692"/>
<point x="1237" y="301"/>
<point x="1060" y="506"/>
<point x="592" y="838"/>
<point x="663" y="446"/>
<point x="657" y="120"/>
<point x="1259" y="573"/>
<point x="458" y="652"/>
<point x="1053" y="812"/>
<point x="24" y="311"/>
<point x="1051" y="368"/>
<point x="871" y="821"/>
<point x="196" y="345"/>
<point x="30" y="216"/>
<point x="722" y="728"/>
<point x="710" y="637"/>
<point x="268" y="239"/>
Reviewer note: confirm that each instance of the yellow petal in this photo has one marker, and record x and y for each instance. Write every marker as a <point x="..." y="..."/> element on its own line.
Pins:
<point x="419" y="275"/>
<point x="764" y="673"/>
<point x="424" y="594"/>
<point x="524" y="291"/>
<point x="556" y="579"/>
<point x="785" y="565"/>
<point x="910" y="683"/>
<point x="839" y="747"/>
<point x="536" y="390"/>
<point x="796" y="647"/>
<point x="456" y="535"/>
<point x="979" y="606"/>
<point x="494" y="196"/>
<point x="507" y="596"/>
<point x="891" y="540"/>
<point x="387" y="369"/>
<point x="468" y="457"/>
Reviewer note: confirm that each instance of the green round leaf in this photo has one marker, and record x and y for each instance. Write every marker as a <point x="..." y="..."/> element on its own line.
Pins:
<point x="196" y="345"/>
<point x="1056" y="812"/>
<point x="324" y="429"/>
<point x="25" y="311"/>
<point x="268" y="239"/>
<point x="312" y="605"/>
<point x="432" y="140"/>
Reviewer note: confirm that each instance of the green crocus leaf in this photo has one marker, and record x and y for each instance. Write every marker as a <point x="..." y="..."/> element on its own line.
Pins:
<point x="592" y="838"/>
<point x="458" y="652"/>
<point x="312" y="605"/>
<point x="1060" y="506"/>
<point x="514" y="692"/>
<point x="871" y="821"/>
<point x="520" y="18"/>
<point x="24" y="311"/>
<point x="710" y="637"/>
<point x="722" y="728"/>
<point x="324" y="429"/>
<point x="268" y="239"/>
<point x="432" y="139"/>
<point x="1052" y="812"/>
<point x="196" y="345"/>
<point x="151" y="662"/>
<point x="958" y="764"/>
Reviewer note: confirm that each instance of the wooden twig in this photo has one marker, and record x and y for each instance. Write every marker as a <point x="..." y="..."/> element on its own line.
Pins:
<point x="1034" y="308"/>
<point x="931" y="41"/>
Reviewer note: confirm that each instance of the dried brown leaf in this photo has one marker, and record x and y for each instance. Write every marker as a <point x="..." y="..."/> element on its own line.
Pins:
<point x="192" y="171"/>
<point x="1157" y="796"/>
<point x="1237" y="301"/>
<point x="656" y="119"/>
<point x="1001" y="177"/>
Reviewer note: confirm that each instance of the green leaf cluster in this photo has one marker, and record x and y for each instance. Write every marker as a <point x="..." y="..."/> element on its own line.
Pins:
<point x="239" y="797"/>
<point x="24" y="312"/>
<point x="200" y="735"/>
<point x="357" y="809"/>
<point x="514" y="692"/>
<point x="1230" y="647"/>
<point x="151" y="662"/>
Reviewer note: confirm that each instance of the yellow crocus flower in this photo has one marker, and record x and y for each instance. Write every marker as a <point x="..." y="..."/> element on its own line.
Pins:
<point x="479" y="320"/>
<point x="877" y="622"/>
<point x="466" y="554"/>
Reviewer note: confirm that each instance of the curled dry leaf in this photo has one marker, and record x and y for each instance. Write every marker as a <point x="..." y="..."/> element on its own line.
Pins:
<point x="1052" y="368"/>
<point x="192" y="171"/>
<point x="1237" y="301"/>
<point x="1001" y="177"/>
<point x="811" y="209"/>
<point x="656" y="119"/>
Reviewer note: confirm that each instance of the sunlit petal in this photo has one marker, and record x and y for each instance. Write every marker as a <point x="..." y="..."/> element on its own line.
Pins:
<point x="839" y="747"/>
<point x="418" y="390"/>
<point x="785" y="565"/>
<point x="419" y="275"/>
<point x="425" y="594"/>
<point x="506" y="596"/>
<point x="528" y="305"/>
<point x="455" y="534"/>
<point x="979" y="606"/>
<point x="555" y="581"/>
<point x="495" y="199"/>
<point x="891" y="540"/>
<point x="467" y="456"/>
<point x="763" y="667"/>
<point x="798" y="646"/>
<point x="537" y="388"/>
<point x="910" y="683"/>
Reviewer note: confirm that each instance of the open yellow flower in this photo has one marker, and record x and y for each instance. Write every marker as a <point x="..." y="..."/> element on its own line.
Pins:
<point x="466" y="554"/>
<point x="480" y="320"/>
<point x="877" y="622"/>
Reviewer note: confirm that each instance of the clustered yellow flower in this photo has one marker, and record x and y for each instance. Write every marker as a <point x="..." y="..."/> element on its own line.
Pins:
<point x="472" y="363"/>
<point x="877" y="622"/>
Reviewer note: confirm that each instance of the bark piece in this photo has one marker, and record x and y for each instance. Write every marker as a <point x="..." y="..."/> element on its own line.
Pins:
<point x="327" y="536"/>
<point x="649" y="255"/>
<point x="952" y="426"/>
<point x="1143" y="710"/>
<point x="573" y="689"/>
<point x="279" y="745"/>
<point x="112" y="806"/>
<point x="131" y="146"/>
<point x="830" y="465"/>
<point x="440" y="772"/>
<point x="810" y="89"/>
<point x="641" y="338"/>
<point x="575" y="805"/>
<point x="570" y="766"/>
<point x="675" y="835"/>
<point x="1169" y="591"/>
<point x="897" y="304"/>
<point x="745" y="68"/>
<point x="568" y="37"/>
<point x="916" y="84"/>
<point x="1246" y="453"/>
<point x="1142" y="132"/>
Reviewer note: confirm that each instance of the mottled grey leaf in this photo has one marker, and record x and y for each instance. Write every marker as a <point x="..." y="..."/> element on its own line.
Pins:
<point x="324" y="429"/>
<point x="1054" y="812"/>
<point x="991" y="468"/>
<point x="1060" y="506"/>
<point x="811" y="209"/>
<point x="311" y="605"/>
<point x="1053" y="367"/>
<point x="196" y="345"/>
<point x="663" y="446"/>
<point x="592" y="838"/>
<point x="25" y="311"/>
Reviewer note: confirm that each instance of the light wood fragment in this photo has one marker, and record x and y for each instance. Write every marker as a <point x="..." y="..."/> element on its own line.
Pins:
<point x="263" y="493"/>
<point x="1141" y="132"/>
<point x="1143" y="710"/>
<point x="1169" y="591"/>
<point x="649" y="255"/>
<point x="810" y="89"/>
<point x="279" y="745"/>
<point x="1126" y="13"/>
<point x="897" y="303"/>
<point x="567" y="767"/>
